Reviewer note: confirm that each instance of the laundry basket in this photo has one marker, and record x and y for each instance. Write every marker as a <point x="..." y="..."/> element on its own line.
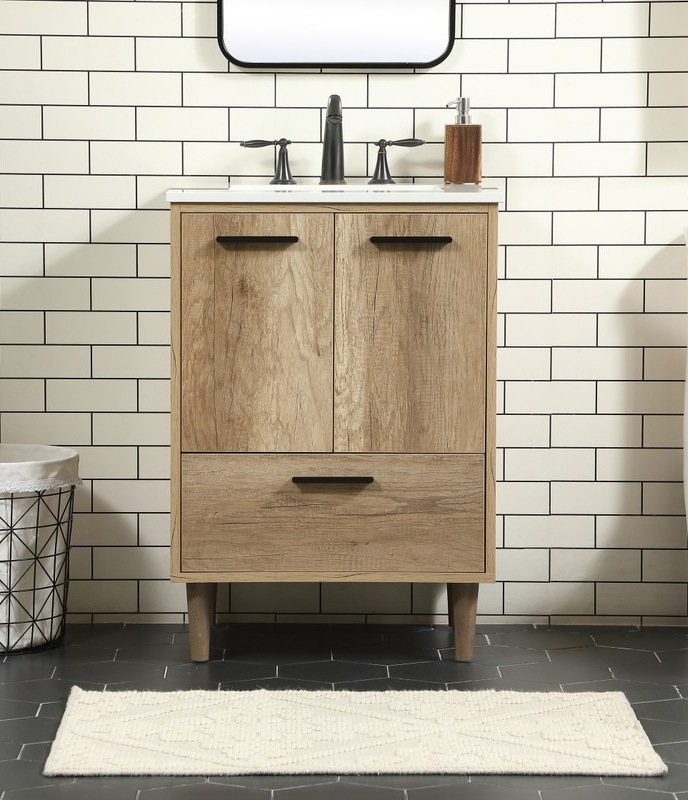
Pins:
<point x="36" y="503"/>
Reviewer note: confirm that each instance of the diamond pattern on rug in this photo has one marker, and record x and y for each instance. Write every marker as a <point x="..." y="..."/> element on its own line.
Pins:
<point x="324" y="732"/>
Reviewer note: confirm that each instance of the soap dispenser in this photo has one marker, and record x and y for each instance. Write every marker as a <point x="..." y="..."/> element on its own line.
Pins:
<point x="462" y="146"/>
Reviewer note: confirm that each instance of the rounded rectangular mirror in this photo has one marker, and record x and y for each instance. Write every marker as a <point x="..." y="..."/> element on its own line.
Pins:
<point x="347" y="33"/>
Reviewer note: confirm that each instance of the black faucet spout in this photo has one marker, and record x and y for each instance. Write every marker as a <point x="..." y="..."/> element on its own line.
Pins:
<point x="333" y="143"/>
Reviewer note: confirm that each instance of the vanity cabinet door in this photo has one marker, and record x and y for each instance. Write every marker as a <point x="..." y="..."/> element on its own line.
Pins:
<point x="256" y="332"/>
<point x="410" y="333"/>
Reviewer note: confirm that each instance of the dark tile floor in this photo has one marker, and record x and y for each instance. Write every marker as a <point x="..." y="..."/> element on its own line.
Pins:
<point x="650" y="666"/>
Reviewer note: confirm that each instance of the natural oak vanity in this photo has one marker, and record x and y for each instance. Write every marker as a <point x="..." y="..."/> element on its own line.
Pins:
<point x="333" y="390"/>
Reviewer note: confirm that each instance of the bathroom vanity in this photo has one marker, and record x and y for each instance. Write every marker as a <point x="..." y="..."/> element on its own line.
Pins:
<point x="333" y="390"/>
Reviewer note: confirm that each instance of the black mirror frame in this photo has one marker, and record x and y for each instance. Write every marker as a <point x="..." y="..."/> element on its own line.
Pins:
<point x="338" y="64"/>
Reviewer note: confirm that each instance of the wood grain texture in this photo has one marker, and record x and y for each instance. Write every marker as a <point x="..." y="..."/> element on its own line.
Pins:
<point x="491" y="398"/>
<point x="201" y="599"/>
<point x="422" y="514"/>
<point x="463" y="604"/>
<point x="463" y="147"/>
<point x="410" y="334"/>
<point x="257" y="334"/>
<point x="175" y="389"/>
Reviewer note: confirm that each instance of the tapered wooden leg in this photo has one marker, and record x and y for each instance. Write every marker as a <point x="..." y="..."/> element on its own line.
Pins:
<point x="200" y="599"/>
<point x="450" y="605"/>
<point x="463" y="601"/>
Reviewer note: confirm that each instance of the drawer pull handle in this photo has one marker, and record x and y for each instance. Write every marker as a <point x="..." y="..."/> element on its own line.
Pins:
<point x="257" y="239"/>
<point x="411" y="239"/>
<point x="355" y="479"/>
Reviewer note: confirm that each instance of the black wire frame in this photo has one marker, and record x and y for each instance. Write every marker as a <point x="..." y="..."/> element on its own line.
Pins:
<point x="35" y="534"/>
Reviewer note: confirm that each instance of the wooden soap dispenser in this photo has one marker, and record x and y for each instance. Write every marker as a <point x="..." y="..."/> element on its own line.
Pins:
<point x="462" y="146"/>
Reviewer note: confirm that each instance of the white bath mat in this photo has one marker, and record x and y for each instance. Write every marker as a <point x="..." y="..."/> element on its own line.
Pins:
<point x="333" y="732"/>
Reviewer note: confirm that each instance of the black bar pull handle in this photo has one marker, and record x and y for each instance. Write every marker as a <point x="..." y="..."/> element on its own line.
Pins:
<point x="351" y="479"/>
<point x="411" y="239"/>
<point x="256" y="239"/>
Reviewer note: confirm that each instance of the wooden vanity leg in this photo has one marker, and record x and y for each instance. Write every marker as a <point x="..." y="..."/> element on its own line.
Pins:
<point x="463" y="601"/>
<point x="200" y="599"/>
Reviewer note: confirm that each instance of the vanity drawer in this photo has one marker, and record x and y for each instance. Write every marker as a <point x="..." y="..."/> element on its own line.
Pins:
<point x="244" y="514"/>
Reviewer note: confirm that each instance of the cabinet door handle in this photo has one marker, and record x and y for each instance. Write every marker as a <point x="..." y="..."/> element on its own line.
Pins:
<point x="257" y="239"/>
<point x="411" y="239"/>
<point x="355" y="479"/>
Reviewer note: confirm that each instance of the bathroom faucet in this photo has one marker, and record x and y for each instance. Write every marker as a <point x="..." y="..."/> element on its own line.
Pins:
<point x="333" y="143"/>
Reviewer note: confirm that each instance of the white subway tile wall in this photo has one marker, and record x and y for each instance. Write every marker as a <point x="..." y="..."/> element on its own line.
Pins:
<point x="584" y="106"/>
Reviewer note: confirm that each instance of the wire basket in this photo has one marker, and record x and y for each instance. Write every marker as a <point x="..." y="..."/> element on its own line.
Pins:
<point x="36" y="509"/>
<point x="35" y="531"/>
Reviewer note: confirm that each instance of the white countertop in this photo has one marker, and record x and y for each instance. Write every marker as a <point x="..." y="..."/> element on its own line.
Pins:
<point x="344" y="193"/>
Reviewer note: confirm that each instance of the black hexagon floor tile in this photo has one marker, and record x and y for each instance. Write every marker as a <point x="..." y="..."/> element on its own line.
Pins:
<point x="635" y="691"/>
<point x="72" y="791"/>
<point x="139" y="782"/>
<point x="332" y="671"/>
<point x="35" y="752"/>
<point x="660" y="731"/>
<point x="472" y="791"/>
<point x="550" y="672"/>
<point x="405" y="635"/>
<point x="121" y="635"/>
<point x="220" y="671"/>
<point x="353" y="635"/>
<point x="26" y="774"/>
<point x="675" y="780"/>
<point x="277" y="654"/>
<point x="12" y="709"/>
<point x="444" y="671"/>
<point x="272" y="782"/>
<point x="501" y="655"/>
<point x="602" y="793"/>
<point x="72" y="654"/>
<point x="606" y="656"/>
<point x="28" y="729"/>
<point x="507" y="657"/>
<point x="539" y="782"/>
<point x="54" y="709"/>
<point x="340" y="791"/>
<point x="21" y="668"/>
<point x="542" y="639"/>
<point x="668" y="710"/>
<point x="644" y="639"/>
<point x="206" y="790"/>
<point x="662" y="674"/>
<point x="44" y="691"/>
<point x="675" y="753"/>
<point x="109" y="672"/>
<point x="9" y="750"/>
<point x="163" y="654"/>
<point x="408" y="782"/>
<point x="385" y="655"/>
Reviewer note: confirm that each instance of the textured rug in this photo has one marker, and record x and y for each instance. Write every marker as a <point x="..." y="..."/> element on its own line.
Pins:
<point x="337" y="732"/>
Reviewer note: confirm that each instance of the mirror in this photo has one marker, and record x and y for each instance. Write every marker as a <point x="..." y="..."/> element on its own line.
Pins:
<point x="346" y="33"/>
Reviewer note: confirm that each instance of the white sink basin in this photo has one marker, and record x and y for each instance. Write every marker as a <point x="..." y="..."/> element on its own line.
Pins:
<point x="402" y="193"/>
<point x="341" y="187"/>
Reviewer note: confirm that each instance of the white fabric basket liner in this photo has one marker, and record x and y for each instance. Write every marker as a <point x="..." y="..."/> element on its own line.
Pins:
<point x="37" y="468"/>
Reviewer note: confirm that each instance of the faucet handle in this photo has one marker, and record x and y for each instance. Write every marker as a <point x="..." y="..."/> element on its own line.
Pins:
<point x="258" y="143"/>
<point x="282" y="172"/>
<point x="407" y="142"/>
<point x="382" y="174"/>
